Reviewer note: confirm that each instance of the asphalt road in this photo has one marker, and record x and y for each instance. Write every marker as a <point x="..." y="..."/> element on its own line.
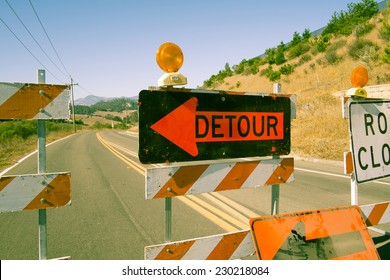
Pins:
<point x="110" y="218"/>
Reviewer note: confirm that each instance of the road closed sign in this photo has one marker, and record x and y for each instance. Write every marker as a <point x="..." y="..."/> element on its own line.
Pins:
<point x="370" y="138"/>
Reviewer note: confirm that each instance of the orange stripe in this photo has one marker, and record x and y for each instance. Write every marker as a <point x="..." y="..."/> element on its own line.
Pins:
<point x="282" y="172"/>
<point x="174" y="251"/>
<point x="237" y="176"/>
<point x="376" y="214"/>
<point x="348" y="163"/>
<point x="227" y="246"/>
<point x="5" y="181"/>
<point x="57" y="193"/>
<point x="26" y="102"/>
<point x="181" y="181"/>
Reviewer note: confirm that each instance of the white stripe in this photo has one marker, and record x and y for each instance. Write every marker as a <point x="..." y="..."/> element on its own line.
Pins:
<point x="202" y="248"/>
<point x="58" y="108"/>
<point x="386" y="216"/>
<point x="22" y="190"/>
<point x="211" y="178"/>
<point x="156" y="179"/>
<point x="366" y="210"/>
<point x="7" y="90"/>
<point x="323" y="173"/>
<point x="261" y="173"/>
<point x="151" y="252"/>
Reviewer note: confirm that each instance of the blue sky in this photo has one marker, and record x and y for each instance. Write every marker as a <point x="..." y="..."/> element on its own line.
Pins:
<point x="109" y="46"/>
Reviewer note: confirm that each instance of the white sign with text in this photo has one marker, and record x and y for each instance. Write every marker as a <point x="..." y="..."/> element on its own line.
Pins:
<point x="370" y="137"/>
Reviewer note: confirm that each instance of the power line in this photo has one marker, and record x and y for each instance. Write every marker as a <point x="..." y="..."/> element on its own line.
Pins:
<point x="32" y="36"/>
<point x="20" y="41"/>
<point x="47" y="35"/>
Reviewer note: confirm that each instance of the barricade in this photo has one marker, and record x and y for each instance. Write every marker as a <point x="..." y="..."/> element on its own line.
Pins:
<point x="22" y="101"/>
<point x="367" y="109"/>
<point x="180" y="178"/>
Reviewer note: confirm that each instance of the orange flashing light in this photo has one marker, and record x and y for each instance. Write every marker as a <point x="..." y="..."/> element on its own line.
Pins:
<point x="359" y="77"/>
<point x="169" y="57"/>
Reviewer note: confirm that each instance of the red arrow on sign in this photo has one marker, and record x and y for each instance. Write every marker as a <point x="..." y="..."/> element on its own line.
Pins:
<point x="185" y="126"/>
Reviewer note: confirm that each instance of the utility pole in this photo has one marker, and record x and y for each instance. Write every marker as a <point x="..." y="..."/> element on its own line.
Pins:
<point x="73" y="113"/>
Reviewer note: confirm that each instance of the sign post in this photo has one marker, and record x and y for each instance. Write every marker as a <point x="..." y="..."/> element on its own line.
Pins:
<point x="41" y="131"/>
<point x="275" y="188"/>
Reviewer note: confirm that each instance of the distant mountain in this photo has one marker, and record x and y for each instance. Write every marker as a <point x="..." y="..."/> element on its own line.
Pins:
<point x="90" y="100"/>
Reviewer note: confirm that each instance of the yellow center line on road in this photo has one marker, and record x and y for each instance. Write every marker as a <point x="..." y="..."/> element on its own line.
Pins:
<point x="127" y="151"/>
<point x="219" y="213"/>
<point x="137" y="167"/>
<point x="228" y="222"/>
<point x="207" y="214"/>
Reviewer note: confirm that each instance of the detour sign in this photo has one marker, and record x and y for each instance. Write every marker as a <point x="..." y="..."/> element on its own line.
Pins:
<point x="188" y="125"/>
<point x="334" y="233"/>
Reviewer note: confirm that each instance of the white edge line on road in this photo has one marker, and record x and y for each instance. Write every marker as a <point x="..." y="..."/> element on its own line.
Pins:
<point x="337" y="175"/>
<point x="323" y="173"/>
<point x="30" y="154"/>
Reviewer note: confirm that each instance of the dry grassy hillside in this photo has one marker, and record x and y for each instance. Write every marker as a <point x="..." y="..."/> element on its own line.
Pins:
<point x="319" y="130"/>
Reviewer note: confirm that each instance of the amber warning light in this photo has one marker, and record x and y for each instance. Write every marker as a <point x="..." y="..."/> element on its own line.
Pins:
<point x="170" y="58"/>
<point x="359" y="78"/>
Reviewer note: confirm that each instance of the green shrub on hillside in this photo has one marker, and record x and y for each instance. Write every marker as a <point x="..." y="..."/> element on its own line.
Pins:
<point x="298" y="50"/>
<point x="321" y="42"/>
<point x="337" y="45"/>
<point x="279" y="57"/>
<point x="238" y="69"/>
<point x="274" y="76"/>
<point x="386" y="56"/>
<point x="305" y="58"/>
<point x="332" y="57"/>
<point x="287" y="69"/>
<point x="385" y="31"/>
<point x="363" y="49"/>
<point x="364" y="29"/>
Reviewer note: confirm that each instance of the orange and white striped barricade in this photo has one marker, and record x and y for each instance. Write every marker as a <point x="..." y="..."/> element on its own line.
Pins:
<point x="33" y="192"/>
<point x="34" y="101"/>
<point x="23" y="101"/>
<point x="193" y="179"/>
<point x="376" y="213"/>
<point x="235" y="245"/>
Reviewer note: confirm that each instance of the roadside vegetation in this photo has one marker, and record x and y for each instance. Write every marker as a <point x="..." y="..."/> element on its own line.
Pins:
<point x="18" y="138"/>
<point x="315" y="67"/>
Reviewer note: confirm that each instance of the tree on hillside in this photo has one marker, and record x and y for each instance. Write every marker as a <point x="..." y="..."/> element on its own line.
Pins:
<point x="296" y="39"/>
<point x="306" y="35"/>
<point x="344" y="22"/>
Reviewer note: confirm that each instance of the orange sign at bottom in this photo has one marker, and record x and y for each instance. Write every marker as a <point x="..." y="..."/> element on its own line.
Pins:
<point x="333" y="233"/>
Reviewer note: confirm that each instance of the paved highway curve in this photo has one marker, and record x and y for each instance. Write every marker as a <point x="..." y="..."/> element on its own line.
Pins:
<point x="110" y="218"/>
